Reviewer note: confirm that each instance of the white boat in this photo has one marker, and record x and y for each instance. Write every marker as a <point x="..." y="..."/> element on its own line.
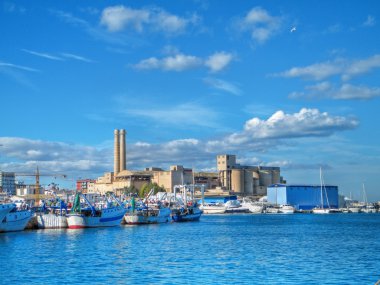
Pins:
<point x="90" y="217"/>
<point x="272" y="209"/>
<point x="286" y="209"/>
<point x="217" y="208"/>
<point x="5" y="209"/>
<point x="53" y="216"/>
<point x="15" y="220"/>
<point x="354" y="209"/>
<point x="368" y="208"/>
<point x="253" y="207"/>
<point x="148" y="215"/>
<point x="320" y="209"/>
<point x="234" y="206"/>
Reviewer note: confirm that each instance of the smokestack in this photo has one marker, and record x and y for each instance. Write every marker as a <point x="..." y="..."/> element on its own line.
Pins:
<point x="123" y="163"/>
<point x="116" y="153"/>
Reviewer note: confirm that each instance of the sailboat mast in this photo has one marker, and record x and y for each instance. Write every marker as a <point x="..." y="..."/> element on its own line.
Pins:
<point x="320" y="178"/>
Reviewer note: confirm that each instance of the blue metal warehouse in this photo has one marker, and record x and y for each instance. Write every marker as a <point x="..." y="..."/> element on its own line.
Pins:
<point x="303" y="197"/>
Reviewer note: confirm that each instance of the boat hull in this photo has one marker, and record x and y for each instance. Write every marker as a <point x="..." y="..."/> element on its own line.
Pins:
<point x="15" y="221"/>
<point x="5" y="209"/>
<point x="163" y="216"/>
<point x="321" y="211"/>
<point x="209" y="209"/>
<point x="51" y="221"/>
<point x="190" y="215"/>
<point x="109" y="218"/>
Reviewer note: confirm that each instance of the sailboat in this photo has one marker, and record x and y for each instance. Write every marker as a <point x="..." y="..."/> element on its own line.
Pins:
<point x="367" y="208"/>
<point x="321" y="209"/>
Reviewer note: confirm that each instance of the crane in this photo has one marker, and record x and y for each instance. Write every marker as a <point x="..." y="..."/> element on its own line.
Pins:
<point x="37" y="185"/>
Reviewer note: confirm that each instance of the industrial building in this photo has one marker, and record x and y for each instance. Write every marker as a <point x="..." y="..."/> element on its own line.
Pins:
<point x="304" y="197"/>
<point x="231" y="176"/>
<point x="246" y="180"/>
<point x="7" y="182"/>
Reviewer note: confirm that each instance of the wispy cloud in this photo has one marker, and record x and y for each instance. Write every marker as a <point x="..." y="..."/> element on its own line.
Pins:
<point x="20" y="67"/>
<point x="260" y="24"/>
<point x="76" y="57"/>
<point x="118" y="18"/>
<point x="181" y="62"/>
<point x="343" y="67"/>
<point x="223" y="85"/>
<point x="370" y="21"/>
<point x="43" y="55"/>
<point x="185" y="114"/>
<point x="344" y="92"/>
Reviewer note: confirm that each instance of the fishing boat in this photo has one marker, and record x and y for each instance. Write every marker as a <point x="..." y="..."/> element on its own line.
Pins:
<point x="185" y="209"/>
<point x="320" y="209"/>
<point x="90" y="217"/>
<point x="5" y="208"/>
<point x="15" y="220"/>
<point x="52" y="216"/>
<point x="147" y="213"/>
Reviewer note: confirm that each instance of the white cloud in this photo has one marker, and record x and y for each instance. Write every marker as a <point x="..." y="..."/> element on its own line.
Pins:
<point x="77" y="57"/>
<point x="317" y="71"/>
<point x="343" y="67"/>
<point x="181" y="62"/>
<point x="43" y="55"/>
<point x="118" y="18"/>
<point x="261" y="24"/>
<point x="344" y="92"/>
<point x="370" y="21"/>
<point x="50" y="156"/>
<point x="21" y="67"/>
<point x="188" y="114"/>
<point x="218" y="61"/>
<point x="223" y="85"/>
<point x="348" y="91"/>
<point x="178" y="62"/>
<point x="305" y="123"/>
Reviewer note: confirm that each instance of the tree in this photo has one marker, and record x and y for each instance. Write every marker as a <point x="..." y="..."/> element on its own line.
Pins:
<point x="145" y="189"/>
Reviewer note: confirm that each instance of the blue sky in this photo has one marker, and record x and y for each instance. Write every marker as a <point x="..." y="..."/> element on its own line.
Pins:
<point x="284" y="83"/>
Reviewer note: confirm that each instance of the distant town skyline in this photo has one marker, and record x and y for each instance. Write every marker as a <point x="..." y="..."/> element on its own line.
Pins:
<point x="292" y="84"/>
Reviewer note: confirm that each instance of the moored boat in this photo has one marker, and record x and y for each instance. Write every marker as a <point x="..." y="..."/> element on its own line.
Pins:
<point x="147" y="215"/>
<point x="5" y="209"/>
<point x="214" y="208"/>
<point x="253" y="207"/>
<point x="286" y="209"/>
<point x="52" y="216"/>
<point x="15" y="220"/>
<point x="91" y="217"/>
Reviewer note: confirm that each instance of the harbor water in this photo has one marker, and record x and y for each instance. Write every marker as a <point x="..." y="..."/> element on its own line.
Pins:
<point x="220" y="249"/>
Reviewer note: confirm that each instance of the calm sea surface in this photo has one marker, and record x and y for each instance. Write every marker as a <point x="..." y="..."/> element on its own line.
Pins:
<point x="223" y="249"/>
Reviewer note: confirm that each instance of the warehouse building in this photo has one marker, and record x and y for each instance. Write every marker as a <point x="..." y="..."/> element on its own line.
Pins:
<point x="304" y="197"/>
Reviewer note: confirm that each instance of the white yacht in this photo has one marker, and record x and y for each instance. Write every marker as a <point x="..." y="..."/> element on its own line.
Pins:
<point x="15" y="220"/>
<point x="270" y="209"/>
<point x="234" y="206"/>
<point x="217" y="208"/>
<point x="287" y="209"/>
<point x="253" y="207"/>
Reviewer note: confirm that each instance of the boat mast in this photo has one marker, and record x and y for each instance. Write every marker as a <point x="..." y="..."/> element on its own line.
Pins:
<point x="320" y="178"/>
